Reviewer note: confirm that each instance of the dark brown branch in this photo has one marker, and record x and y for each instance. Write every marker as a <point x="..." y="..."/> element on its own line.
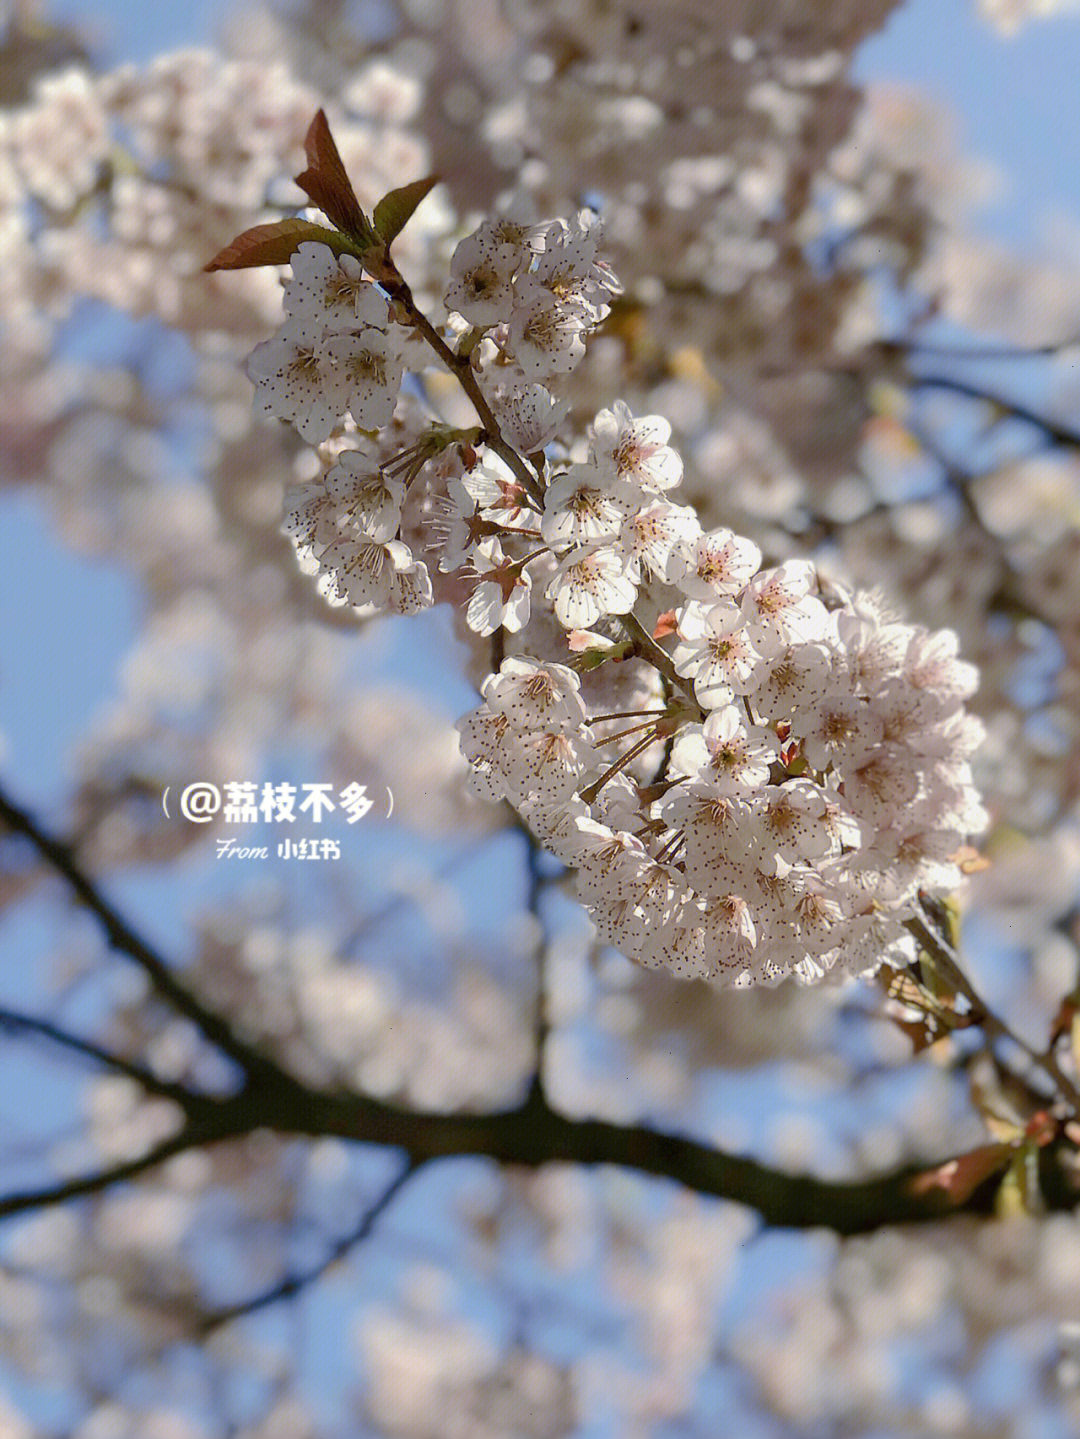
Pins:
<point x="659" y="658"/>
<point x="1013" y="409"/>
<point x="294" y="1284"/>
<point x="122" y="938"/>
<point x="531" y="1136"/>
<point x="15" y="1022"/>
<point x="461" y="368"/>
<point x="30" y="1200"/>
<point x="534" y="1135"/>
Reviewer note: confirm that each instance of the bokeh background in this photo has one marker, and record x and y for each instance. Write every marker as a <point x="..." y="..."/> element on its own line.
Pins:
<point x="848" y="237"/>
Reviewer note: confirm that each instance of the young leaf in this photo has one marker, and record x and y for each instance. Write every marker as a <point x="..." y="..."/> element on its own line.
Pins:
<point x="328" y="186"/>
<point x="394" y="210"/>
<point x="275" y="244"/>
<point x="970" y="860"/>
<point x="1020" y="1192"/>
<point x="1041" y="1129"/>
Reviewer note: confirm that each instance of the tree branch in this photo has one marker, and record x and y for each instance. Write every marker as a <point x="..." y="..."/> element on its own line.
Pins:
<point x="996" y="1028"/>
<point x="122" y="938"/>
<point x="209" y="1121"/>
<point x="530" y="1136"/>
<point x="27" y="1200"/>
<point x="534" y="1135"/>
<point x="1016" y="410"/>
<point x="15" y="1022"/>
<point x="294" y="1284"/>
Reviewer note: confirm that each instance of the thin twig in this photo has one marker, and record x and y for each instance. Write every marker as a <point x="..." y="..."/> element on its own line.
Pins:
<point x="1014" y="409"/>
<point x="461" y="368"/>
<point x="982" y="352"/>
<point x="17" y="1022"/>
<point x="659" y="658"/>
<point x="23" y="1201"/>
<point x="946" y="963"/>
<point x="293" y="1284"/>
<point x="122" y="938"/>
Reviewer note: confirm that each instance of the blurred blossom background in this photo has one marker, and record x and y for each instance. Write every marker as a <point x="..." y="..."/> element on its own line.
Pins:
<point x="849" y="237"/>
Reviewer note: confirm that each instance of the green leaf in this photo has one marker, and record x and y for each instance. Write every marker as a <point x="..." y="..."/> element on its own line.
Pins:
<point x="394" y="210"/>
<point x="275" y="244"/>
<point x="326" y="184"/>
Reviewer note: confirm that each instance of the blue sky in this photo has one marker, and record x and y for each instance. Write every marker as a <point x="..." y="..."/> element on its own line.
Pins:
<point x="1016" y="100"/>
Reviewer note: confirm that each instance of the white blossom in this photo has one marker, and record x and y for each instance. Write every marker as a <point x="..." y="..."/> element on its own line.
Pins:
<point x="715" y="564"/>
<point x="503" y="591"/>
<point x="295" y="380"/>
<point x="580" y="507"/>
<point x="589" y="583"/>
<point x="637" y="450"/>
<point x="481" y="288"/>
<point x="544" y="336"/>
<point x="715" y="651"/>
<point x="330" y="290"/>
<point x="725" y="751"/>
<point x="536" y="695"/>
<point x="369" y="365"/>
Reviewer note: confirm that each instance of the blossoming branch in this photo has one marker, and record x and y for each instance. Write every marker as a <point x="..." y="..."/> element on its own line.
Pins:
<point x="754" y="773"/>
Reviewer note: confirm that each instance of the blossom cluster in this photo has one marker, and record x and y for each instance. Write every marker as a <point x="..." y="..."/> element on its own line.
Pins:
<point x="343" y="526"/>
<point x="339" y="350"/>
<point x="539" y="287"/>
<point x="791" y="827"/>
<point x="804" y="772"/>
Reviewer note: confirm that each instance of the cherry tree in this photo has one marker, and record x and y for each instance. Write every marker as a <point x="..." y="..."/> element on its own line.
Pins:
<point x="616" y="446"/>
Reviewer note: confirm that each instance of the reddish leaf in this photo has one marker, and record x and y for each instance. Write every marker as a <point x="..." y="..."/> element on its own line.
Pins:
<point x="327" y="185"/>
<point x="1041" y="1129"/>
<point x="665" y="625"/>
<point x="394" y="210"/>
<point x="960" y="1177"/>
<point x="275" y="244"/>
<point x="789" y="752"/>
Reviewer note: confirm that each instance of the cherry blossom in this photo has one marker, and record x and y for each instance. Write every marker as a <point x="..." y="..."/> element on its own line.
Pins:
<point x="482" y="271"/>
<point x="590" y="582"/>
<point x="763" y="371"/>
<point x="295" y="380"/>
<point x="636" y="449"/>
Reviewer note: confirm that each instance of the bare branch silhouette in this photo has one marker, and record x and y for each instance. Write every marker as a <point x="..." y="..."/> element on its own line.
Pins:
<point x="15" y="1022"/>
<point x="122" y="938"/>
<point x="293" y="1284"/>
